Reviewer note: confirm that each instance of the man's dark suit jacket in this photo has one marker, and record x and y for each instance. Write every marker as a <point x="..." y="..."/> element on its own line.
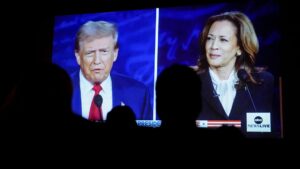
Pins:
<point x="262" y="96"/>
<point x="124" y="90"/>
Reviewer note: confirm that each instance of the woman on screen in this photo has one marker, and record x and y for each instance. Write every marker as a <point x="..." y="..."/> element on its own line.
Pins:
<point x="231" y="84"/>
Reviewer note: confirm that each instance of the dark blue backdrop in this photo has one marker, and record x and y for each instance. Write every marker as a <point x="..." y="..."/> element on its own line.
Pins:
<point x="179" y="30"/>
<point x="136" y="40"/>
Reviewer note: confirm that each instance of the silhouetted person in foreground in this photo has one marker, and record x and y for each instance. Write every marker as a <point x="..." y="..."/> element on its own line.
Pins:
<point x="121" y="117"/>
<point x="42" y="102"/>
<point x="178" y="104"/>
<point x="178" y="97"/>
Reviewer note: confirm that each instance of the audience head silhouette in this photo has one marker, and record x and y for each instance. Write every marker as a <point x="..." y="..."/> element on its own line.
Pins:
<point x="121" y="117"/>
<point x="178" y="97"/>
<point x="42" y="99"/>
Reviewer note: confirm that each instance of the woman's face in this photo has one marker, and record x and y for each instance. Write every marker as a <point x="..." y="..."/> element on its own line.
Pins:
<point x="221" y="45"/>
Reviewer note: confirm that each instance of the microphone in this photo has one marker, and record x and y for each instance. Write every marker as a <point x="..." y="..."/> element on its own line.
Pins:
<point x="215" y="94"/>
<point x="244" y="76"/>
<point x="98" y="101"/>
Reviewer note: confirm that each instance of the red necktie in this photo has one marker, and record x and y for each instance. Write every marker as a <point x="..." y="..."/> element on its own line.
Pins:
<point x="95" y="112"/>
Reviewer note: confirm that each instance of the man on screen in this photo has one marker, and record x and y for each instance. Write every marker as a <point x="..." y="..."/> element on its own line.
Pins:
<point x="96" y="49"/>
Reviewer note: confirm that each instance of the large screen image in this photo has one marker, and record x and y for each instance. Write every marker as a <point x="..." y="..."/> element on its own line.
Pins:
<point x="120" y="54"/>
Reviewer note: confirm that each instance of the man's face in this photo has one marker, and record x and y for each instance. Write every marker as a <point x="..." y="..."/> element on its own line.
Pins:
<point x="96" y="58"/>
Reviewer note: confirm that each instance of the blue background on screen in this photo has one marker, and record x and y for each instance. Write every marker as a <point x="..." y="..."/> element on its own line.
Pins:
<point x="179" y="30"/>
<point x="136" y="41"/>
